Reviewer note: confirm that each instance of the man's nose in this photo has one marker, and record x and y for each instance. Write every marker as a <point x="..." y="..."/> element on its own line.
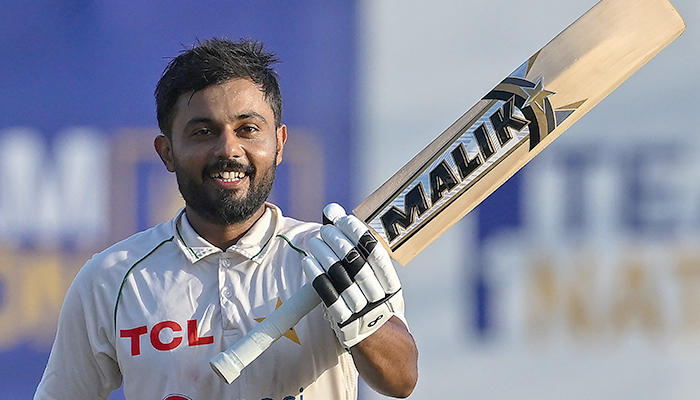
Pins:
<point x="230" y="146"/>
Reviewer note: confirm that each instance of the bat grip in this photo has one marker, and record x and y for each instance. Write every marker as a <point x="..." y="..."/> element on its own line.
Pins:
<point x="229" y="364"/>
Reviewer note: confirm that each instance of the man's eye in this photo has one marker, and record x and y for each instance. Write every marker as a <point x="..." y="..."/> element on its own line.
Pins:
<point x="203" y="132"/>
<point x="248" y="129"/>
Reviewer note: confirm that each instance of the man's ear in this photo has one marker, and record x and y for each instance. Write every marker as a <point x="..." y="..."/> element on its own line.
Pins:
<point x="281" y="140"/>
<point x="165" y="151"/>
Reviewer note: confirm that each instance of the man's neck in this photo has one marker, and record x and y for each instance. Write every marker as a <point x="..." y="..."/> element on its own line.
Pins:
<point x="221" y="236"/>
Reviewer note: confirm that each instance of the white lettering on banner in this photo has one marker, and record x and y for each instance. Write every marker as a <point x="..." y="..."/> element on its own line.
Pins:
<point x="609" y="247"/>
<point x="52" y="196"/>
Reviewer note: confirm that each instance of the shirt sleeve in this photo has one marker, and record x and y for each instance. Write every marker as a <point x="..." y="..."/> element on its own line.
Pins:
<point x="82" y="364"/>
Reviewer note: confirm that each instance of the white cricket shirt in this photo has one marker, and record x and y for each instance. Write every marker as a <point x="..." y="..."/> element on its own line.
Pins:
<point x="156" y="307"/>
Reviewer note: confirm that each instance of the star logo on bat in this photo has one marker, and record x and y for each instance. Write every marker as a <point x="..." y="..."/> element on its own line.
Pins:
<point x="537" y="95"/>
<point x="291" y="333"/>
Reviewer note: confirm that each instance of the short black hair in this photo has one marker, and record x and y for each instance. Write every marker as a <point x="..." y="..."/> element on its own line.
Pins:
<point x="212" y="62"/>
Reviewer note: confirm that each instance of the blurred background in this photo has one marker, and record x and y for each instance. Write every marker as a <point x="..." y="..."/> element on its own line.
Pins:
<point x="587" y="286"/>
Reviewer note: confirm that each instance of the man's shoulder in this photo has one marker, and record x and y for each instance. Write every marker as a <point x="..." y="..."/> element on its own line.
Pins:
<point x="295" y="232"/>
<point x="292" y="227"/>
<point x="117" y="259"/>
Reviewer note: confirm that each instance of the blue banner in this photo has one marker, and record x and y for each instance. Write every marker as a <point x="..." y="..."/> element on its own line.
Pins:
<point x="77" y="121"/>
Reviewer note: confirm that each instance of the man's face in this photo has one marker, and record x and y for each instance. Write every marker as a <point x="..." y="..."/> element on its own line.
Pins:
<point x="224" y="150"/>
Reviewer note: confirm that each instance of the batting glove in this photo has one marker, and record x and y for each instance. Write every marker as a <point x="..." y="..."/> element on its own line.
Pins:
<point x="354" y="276"/>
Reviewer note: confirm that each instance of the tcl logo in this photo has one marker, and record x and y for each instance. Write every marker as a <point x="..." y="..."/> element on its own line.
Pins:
<point x="155" y="335"/>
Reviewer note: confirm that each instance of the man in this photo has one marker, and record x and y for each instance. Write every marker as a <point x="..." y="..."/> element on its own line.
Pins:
<point x="154" y="309"/>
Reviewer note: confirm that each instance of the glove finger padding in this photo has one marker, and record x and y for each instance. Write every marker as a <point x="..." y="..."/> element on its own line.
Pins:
<point x="324" y="287"/>
<point x="376" y="255"/>
<point x="343" y="283"/>
<point x="357" y="267"/>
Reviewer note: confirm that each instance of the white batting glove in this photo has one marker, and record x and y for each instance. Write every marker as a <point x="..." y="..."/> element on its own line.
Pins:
<point x="354" y="276"/>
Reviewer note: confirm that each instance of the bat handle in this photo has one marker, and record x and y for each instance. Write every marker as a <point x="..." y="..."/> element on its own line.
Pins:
<point x="228" y="364"/>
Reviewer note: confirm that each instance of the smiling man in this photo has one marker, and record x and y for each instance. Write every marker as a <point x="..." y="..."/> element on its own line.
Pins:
<point x="224" y="147"/>
<point x="151" y="311"/>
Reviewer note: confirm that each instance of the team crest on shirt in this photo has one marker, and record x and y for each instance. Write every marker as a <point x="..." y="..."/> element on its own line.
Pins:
<point x="176" y="397"/>
<point x="291" y="334"/>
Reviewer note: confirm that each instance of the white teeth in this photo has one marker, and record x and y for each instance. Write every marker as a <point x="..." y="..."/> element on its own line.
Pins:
<point x="228" y="175"/>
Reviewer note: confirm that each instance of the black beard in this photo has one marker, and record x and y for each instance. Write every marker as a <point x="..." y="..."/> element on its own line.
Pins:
<point x="224" y="208"/>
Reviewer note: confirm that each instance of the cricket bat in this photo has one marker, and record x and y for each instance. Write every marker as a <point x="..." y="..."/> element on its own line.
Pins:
<point x="501" y="133"/>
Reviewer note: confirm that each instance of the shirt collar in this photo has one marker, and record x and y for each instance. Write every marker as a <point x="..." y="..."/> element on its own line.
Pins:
<point x="252" y="245"/>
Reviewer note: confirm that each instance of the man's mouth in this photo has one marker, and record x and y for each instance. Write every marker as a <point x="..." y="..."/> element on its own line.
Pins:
<point x="228" y="176"/>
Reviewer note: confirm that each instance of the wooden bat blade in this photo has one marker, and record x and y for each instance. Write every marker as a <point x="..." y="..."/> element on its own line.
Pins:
<point x="490" y="142"/>
<point x="516" y="120"/>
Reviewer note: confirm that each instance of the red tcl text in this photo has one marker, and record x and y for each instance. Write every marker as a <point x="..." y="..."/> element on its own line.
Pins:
<point x="193" y="338"/>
